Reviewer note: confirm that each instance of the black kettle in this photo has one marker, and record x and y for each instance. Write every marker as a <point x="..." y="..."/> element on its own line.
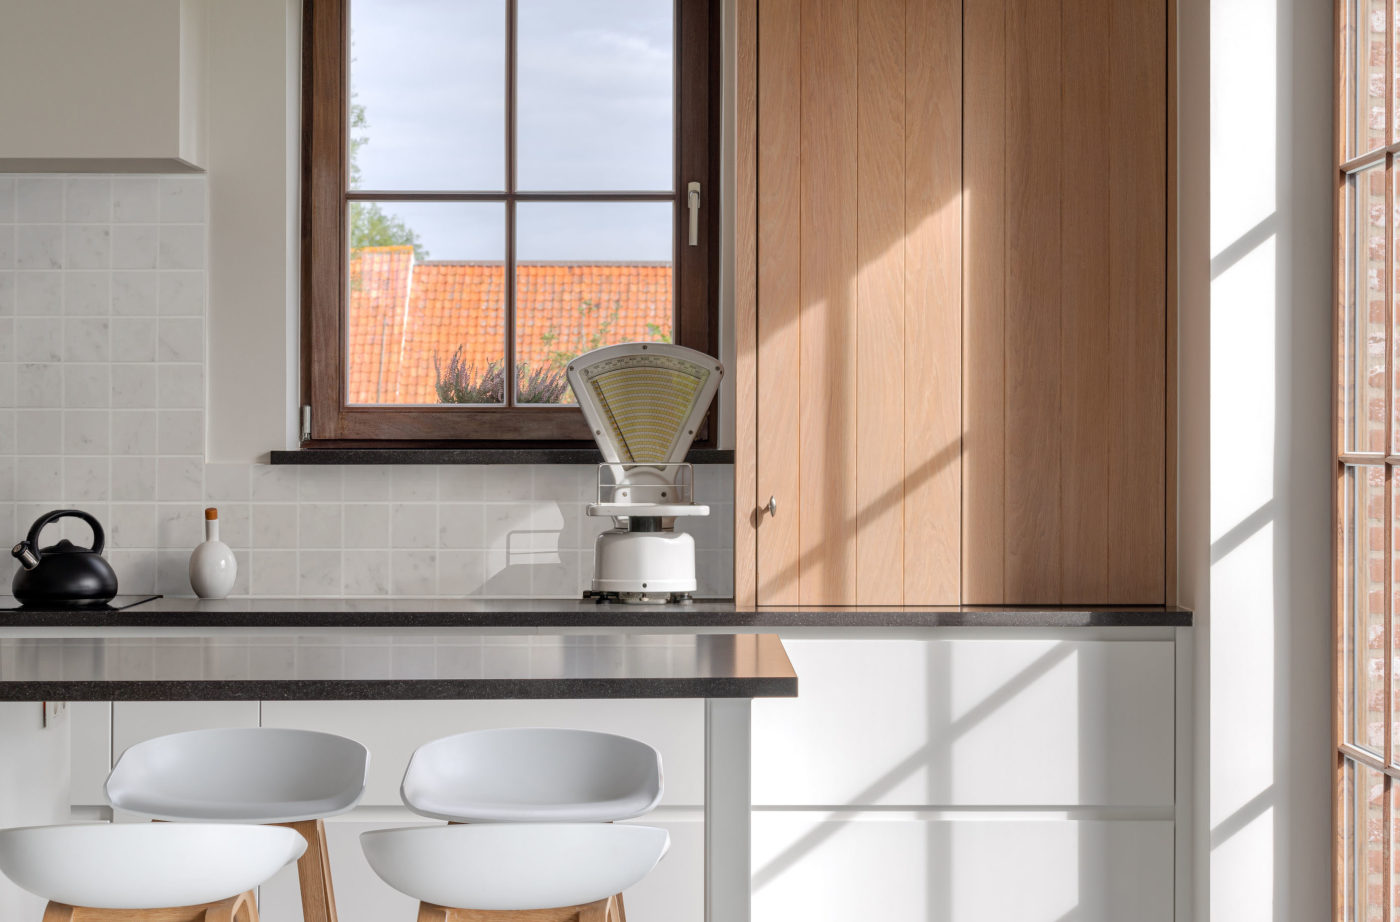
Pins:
<point x="63" y="573"/>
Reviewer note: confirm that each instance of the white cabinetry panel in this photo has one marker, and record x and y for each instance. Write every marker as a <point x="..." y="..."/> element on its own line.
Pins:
<point x="824" y="867"/>
<point x="969" y="722"/>
<point x="92" y="750"/>
<point x="393" y="729"/>
<point x="134" y="721"/>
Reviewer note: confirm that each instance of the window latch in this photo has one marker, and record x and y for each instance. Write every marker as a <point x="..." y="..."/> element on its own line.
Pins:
<point x="693" y="199"/>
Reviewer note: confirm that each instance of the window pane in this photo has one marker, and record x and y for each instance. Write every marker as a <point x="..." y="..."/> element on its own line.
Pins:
<point x="1365" y="524"/>
<point x="1366" y="38"/>
<point x="427" y="94"/>
<point x="589" y="275"/>
<point x="596" y="94"/>
<point x="1370" y="822"/>
<point x="426" y="312"/>
<point x="1365" y="311"/>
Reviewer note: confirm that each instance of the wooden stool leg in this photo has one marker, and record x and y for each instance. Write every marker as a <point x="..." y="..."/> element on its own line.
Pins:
<point x="314" y="872"/>
<point x="619" y="912"/>
<point x="58" y="912"/>
<point x="427" y="912"/>
<point x="241" y="908"/>
<point x="601" y="911"/>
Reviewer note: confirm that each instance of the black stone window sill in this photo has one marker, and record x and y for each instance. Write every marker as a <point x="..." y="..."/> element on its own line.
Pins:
<point x="472" y="456"/>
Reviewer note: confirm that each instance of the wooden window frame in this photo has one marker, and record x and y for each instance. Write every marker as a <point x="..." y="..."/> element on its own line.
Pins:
<point x="325" y="198"/>
<point x="1350" y="755"/>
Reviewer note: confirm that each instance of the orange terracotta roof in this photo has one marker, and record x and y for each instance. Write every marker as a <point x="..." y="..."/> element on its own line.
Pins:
<point x="404" y="314"/>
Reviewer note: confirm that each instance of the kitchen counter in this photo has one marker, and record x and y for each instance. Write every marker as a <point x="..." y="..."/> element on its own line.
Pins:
<point x="360" y="664"/>
<point x="559" y="613"/>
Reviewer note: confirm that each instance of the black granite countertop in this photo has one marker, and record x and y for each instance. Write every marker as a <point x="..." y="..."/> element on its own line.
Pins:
<point x="367" y="664"/>
<point x="583" y="455"/>
<point x="525" y="613"/>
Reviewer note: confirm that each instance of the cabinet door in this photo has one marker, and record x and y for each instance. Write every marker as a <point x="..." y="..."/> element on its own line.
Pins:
<point x="858" y="309"/>
<point x="834" y="867"/>
<point x="970" y="723"/>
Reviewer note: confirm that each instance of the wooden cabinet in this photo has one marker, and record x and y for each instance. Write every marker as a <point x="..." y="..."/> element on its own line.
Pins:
<point x="951" y="302"/>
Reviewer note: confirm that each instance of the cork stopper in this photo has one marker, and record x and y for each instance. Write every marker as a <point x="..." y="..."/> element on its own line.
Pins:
<point x="211" y="514"/>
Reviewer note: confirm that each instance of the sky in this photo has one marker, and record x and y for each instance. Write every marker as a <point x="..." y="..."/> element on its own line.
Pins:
<point x="595" y="113"/>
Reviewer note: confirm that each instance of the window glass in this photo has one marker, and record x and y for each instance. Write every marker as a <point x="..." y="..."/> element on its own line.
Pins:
<point x="1366" y="310"/>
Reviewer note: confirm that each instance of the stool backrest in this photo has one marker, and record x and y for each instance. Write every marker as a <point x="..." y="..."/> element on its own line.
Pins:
<point x="533" y="774"/>
<point x="251" y="775"/>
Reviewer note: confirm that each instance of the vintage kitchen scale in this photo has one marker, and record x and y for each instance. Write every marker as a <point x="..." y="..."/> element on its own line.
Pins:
<point x="644" y="403"/>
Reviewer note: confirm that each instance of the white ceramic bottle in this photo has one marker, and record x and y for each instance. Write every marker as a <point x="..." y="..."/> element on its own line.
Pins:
<point x="212" y="565"/>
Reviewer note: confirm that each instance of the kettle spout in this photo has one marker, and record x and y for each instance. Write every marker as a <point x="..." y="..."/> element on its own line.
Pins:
<point x="25" y="554"/>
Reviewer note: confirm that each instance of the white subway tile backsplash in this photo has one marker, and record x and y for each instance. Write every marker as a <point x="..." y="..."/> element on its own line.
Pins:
<point x="102" y="352"/>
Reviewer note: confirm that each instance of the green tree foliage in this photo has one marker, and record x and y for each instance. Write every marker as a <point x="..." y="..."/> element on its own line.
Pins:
<point x="370" y="225"/>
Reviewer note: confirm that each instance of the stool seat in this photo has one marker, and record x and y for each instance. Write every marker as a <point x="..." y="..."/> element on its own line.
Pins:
<point x="240" y="775"/>
<point x="533" y="775"/>
<point x="514" y="866"/>
<point x="144" y="865"/>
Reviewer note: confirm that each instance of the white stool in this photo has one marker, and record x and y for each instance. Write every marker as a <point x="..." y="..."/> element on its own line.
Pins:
<point x="292" y="778"/>
<point x="100" y="872"/>
<point x="536" y="775"/>
<point x="516" y="872"/>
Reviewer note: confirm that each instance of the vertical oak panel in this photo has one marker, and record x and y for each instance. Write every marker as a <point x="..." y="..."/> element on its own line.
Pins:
<point x="933" y="302"/>
<point x="1033" y="523"/>
<point x="1084" y="300"/>
<point x="779" y="296"/>
<point x="880" y="308"/>
<point x="1137" y="292"/>
<point x="827" y="370"/>
<point x="984" y="301"/>
<point x="745" y="372"/>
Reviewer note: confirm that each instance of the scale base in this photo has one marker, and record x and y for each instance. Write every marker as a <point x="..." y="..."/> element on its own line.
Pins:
<point x="638" y="598"/>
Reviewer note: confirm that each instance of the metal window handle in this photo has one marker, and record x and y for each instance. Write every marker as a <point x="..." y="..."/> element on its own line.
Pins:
<point x="772" y="507"/>
<point x="693" y="202"/>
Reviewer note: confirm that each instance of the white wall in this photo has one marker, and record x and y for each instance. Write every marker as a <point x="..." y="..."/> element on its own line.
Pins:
<point x="1255" y="399"/>
<point x="34" y="771"/>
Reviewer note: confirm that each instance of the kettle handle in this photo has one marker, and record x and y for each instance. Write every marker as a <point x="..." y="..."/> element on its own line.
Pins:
<point x="99" y="538"/>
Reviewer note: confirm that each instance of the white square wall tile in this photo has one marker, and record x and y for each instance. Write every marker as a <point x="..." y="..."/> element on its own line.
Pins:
<point x="274" y="483"/>
<point x="413" y="483"/>
<point x="180" y="479"/>
<point x="135" y="293"/>
<point x="39" y="294"/>
<point x="319" y="573"/>
<point x="503" y="483"/>
<point x="88" y="200"/>
<point x="38" y="339"/>
<point x="274" y="525"/>
<point x="133" y="525"/>
<point x="39" y="246"/>
<point x="133" y="339"/>
<point x="413" y="525"/>
<point x="173" y="573"/>
<point x="274" y="573"/>
<point x="180" y="386"/>
<point x="318" y="525"/>
<point x="7" y="290"/>
<point x="366" y="573"/>
<point x="87" y="247"/>
<point x="319" y="483"/>
<point x="179" y="526"/>
<point x="225" y="483"/>
<point x="182" y="294"/>
<point x="39" y="385"/>
<point x="460" y="525"/>
<point x="366" y="525"/>
<point x="85" y="432"/>
<point x="87" y="385"/>
<point x="136" y="570"/>
<point x="367" y="483"/>
<point x="134" y="386"/>
<point x="134" y="479"/>
<point x="235" y="524"/>
<point x="182" y="199"/>
<point x="135" y="199"/>
<point x="38" y="432"/>
<point x="86" y="480"/>
<point x="7" y="246"/>
<point x="461" y="573"/>
<point x="39" y="480"/>
<point x="7" y="199"/>
<point x="87" y="294"/>
<point x="413" y="573"/>
<point x="38" y="198"/>
<point x="180" y="339"/>
<point x="135" y="246"/>
<point x="180" y="432"/>
<point x="459" y="483"/>
<point x="181" y="246"/>
<point x="86" y="339"/>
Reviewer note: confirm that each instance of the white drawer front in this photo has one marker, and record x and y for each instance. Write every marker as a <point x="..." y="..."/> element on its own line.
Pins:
<point x="824" y="867"/>
<point x="393" y="729"/>
<point x="969" y="722"/>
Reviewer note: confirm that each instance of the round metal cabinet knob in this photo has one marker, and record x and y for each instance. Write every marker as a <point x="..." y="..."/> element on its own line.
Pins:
<point x="772" y="507"/>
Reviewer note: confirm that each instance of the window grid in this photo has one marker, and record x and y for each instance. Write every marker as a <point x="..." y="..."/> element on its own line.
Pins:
<point x="1366" y="801"/>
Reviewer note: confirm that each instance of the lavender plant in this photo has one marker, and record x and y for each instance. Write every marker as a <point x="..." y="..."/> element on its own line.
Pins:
<point x="460" y="383"/>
